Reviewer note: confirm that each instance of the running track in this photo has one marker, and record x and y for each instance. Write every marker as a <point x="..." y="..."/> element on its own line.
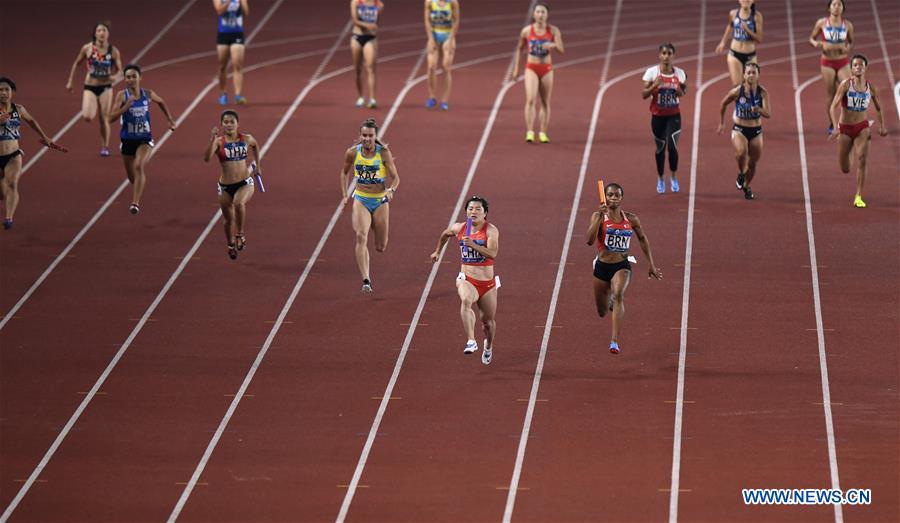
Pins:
<point x="738" y="396"/>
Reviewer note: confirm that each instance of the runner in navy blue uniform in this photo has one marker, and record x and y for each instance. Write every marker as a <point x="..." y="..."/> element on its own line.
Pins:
<point x="133" y="107"/>
<point x="230" y="44"/>
<point x="751" y="104"/>
<point x="11" y="117"/>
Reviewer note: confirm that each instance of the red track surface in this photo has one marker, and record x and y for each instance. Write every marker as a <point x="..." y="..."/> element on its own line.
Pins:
<point x="601" y="440"/>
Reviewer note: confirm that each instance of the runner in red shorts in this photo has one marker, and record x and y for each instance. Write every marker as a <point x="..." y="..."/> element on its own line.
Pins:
<point x="833" y="34"/>
<point x="541" y="38"/>
<point x="476" y="282"/>
<point x="853" y="97"/>
<point x="612" y="229"/>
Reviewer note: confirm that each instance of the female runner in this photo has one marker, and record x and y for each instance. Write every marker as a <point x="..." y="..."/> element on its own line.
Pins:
<point x="836" y="33"/>
<point x="11" y="117"/>
<point x="441" y="25"/>
<point x="612" y="229"/>
<point x="751" y="103"/>
<point x="363" y="46"/>
<point x="664" y="84"/>
<point x="476" y="284"/>
<point x="376" y="184"/>
<point x="853" y="97"/>
<point x="541" y="38"/>
<point x="230" y="45"/>
<point x="103" y="63"/>
<point x="236" y="181"/>
<point x="133" y="106"/>
<point x="745" y="28"/>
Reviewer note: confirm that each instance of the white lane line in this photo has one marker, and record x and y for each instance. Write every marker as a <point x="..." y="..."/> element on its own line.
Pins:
<point x="564" y="256"/>
<point x="813" y="262"/>
<point x="136" y="58"/>
<point x="686" y="288"/>
<point x="26" y="486"/>
<point x="887" y="57"/>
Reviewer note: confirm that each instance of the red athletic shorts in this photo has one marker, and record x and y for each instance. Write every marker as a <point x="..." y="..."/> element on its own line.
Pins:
<point x="482" y="286"/>
<point x="853" y="130"/>
<point x="540" y="69"/>
<point x="836" y="64"/>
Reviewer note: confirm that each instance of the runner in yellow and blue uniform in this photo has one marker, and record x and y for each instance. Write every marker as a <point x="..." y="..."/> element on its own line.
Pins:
<point x="441" y="25"/>
<point x="372" y="164"/>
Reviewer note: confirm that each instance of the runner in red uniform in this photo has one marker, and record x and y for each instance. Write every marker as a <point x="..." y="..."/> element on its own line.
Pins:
<point x="541" y="38"/>
<point x="833" y="34"/>
<point x="612" y="229"/>
<point x="476" y="282"/>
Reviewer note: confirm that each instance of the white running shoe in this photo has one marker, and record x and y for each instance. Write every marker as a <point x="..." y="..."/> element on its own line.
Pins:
<point x="471" y="346"/>
<point x="366" y="286"/>
<point x="486" y="353"/>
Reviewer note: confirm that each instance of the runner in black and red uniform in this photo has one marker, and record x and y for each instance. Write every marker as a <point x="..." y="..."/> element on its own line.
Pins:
<point x="612" y="229"/>
<point x="664" y="84"/>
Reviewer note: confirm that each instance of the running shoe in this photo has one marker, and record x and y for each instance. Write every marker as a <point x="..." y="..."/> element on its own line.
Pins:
<point x="431" y="103"/>
<point x="372" y="104"/>
<point x="542" y="136"/>
<point x="748" y="194"/>
<point x="366" y="286"/>
<point x="830" y="130"/>
<point x="529" y="136"/>
<point x="134" y="208"/>
<point x="660" y="186"/>
<point x="104" y="152"/>
<point x="857" y="202"/>
<point x="613" y="347"/>
<point x="486" y="353"/>
<point x="7" y="223"/>
<point x="240" y="100"/>
<point x="471" y="346"/>
<point x="739" y="181"/>
<point x="223" y="99"/>
<point x="445" y="106"/>
<point x="240" y="241"/>
<point x="674" y="184"/>
<point x="232" y="251"/>
<point x="360" y="102"/>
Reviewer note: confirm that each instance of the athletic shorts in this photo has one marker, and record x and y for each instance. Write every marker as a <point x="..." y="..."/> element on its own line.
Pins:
<point x="230" y="38"/>
<point x="233" y="188"/>
<point x="539" y="69"/>
<point x="7" y="157"/>
<point x="97" y="89"/>
<point x="853" y="129"/>
<point x="130" y="147"/>
<point x="605" y="271"/>
<point x="749" y="132"/>
<point x="482" y="286"/>
<point x="362" y="40"/>
<point x="837" y="64"/>
<point x="742" y="57"/>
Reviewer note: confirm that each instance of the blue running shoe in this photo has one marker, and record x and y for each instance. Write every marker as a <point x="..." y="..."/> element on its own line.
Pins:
<point x="660" y="186"/>
<point x="240" y="100"/>
<point x="431" y="103"/>
<point x="674" y="185"/>
<point x="223" y="99"/>
<point x="613" y="347"/>
<point x="445" y="106"/>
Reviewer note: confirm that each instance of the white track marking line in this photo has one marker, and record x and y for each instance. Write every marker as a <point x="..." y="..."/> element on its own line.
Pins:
<point x="564" y="255"/>
<point x="136" y="59"/>
<point x="686" y="288"/>
<point x="26" y="486"/>
<point x="887" y="57"/>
